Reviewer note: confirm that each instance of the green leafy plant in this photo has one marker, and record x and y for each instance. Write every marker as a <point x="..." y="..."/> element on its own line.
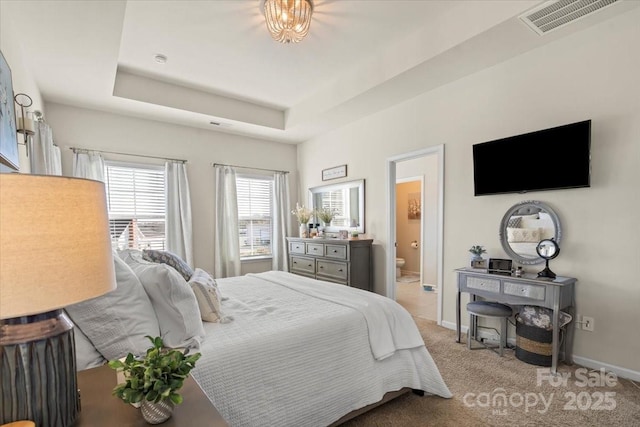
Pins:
<point x="477" y="250"/>
<point x="157" y="376"/>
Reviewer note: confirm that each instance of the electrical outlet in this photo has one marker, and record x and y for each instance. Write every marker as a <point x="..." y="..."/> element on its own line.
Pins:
<point x="588" y="323"/>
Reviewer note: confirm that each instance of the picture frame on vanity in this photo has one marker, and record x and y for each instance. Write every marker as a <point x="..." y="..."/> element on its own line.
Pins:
<point x="479" y="263"/>
<point x="343" y="234"/>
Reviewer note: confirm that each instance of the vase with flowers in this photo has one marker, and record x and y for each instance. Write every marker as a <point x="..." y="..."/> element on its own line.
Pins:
<point x="477" y="251"/>
<point x="325" y="215"/>
<point x="303" y="215"/>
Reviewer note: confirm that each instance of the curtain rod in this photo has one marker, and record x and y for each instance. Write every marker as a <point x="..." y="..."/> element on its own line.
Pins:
<point x="248" y="167"/>
<point x="74" y="149"/>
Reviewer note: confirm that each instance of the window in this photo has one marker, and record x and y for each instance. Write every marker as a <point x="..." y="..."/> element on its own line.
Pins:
<point x="254" y="214"/>
<point x="136" y="204"/>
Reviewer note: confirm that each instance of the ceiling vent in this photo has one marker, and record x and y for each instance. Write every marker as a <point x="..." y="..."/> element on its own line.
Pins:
<point x="554" y="14"/>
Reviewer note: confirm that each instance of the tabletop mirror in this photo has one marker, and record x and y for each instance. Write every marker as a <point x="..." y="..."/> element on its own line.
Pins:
<point x="346" y="199"/>
<point x="524" y="225"/>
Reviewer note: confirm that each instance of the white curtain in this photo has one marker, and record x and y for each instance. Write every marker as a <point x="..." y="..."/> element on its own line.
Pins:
<point x="44" y="156"/>
<point x="281" y="221"/>
<point x="226" y="239"/>
<point x="88" y="164"/>
<point x="179" y="233"/>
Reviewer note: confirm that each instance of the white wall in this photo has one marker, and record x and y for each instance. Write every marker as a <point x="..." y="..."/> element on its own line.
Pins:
<point x="103" y="131"/>
<point x="592" y="74"/>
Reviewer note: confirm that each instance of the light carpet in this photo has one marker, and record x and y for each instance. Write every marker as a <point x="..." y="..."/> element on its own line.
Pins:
<point x="490" y="390"/>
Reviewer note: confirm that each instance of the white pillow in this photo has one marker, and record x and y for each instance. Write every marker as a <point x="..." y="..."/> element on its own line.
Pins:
<point x="547" y="229"/>
<point x="523" y="235"/>
<point x="86" y="354"/>
<point x="117" y="322"/>
<point x="208" y="296"/>
<point x="173" y="301"/>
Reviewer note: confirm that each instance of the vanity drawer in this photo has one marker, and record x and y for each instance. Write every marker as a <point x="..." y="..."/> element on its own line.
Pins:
<point x="335" y="251"/>
<point x="526" y="291"/>
<point x="305" y="265"/>
<point x="334" y="270"/>
<point x="296" y="247"/>
<point x="484" y="284"/>
<point x="314" y="249"/>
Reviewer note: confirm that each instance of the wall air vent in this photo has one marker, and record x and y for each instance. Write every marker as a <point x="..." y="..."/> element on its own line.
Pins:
<point x="554" y="14"/>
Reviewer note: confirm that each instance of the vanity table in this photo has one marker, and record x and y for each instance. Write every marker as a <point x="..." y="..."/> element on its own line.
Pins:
<point x="556" y="294"/>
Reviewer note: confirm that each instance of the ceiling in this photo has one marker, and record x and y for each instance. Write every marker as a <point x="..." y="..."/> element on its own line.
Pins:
<point x="360" y="57"/>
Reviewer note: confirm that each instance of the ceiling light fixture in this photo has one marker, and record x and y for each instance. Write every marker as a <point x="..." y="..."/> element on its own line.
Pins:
<point x="288" y="20"/>
<point x="160" y="58"/>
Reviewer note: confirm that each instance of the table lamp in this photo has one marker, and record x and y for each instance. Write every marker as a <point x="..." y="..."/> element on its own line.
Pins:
<point x="55" y="251"/>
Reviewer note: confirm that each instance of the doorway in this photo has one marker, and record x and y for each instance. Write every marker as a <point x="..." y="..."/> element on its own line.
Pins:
<point x="415" y="192"/>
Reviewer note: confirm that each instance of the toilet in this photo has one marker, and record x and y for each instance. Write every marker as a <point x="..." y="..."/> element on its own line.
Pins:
<point x="399" y="265"/>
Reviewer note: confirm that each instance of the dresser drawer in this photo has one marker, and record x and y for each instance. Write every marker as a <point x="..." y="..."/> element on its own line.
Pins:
<point x="526" y="291"/>
<point x="305" y="265"/>
<point x="335" y="251"/>
<point x="481" y="283"/>
<point x="314" y="249"/>
<point x="296" y="247"/>
<point x="334" y="270"/>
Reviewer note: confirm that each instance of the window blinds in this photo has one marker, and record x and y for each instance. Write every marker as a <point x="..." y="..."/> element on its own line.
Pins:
<point x="136" y="204"/>
<point x="255" y="195"/>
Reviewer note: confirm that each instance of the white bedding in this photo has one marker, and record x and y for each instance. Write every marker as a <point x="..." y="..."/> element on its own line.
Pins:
<point x="291" y="359"/>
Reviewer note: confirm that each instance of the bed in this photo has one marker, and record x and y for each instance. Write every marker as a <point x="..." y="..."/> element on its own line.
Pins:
<point x="289" y="351"/>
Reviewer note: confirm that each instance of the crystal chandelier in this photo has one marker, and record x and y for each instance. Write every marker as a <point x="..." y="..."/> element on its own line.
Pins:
<point x="288" y="20"/>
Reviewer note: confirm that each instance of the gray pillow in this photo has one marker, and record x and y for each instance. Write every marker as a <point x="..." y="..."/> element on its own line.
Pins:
<point x="173" y="301"/>
<point x="117" y="322"/>
<point x="166" y="257"/>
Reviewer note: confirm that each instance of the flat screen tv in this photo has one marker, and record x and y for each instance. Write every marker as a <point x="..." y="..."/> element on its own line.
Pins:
<point x="548" y="159"/>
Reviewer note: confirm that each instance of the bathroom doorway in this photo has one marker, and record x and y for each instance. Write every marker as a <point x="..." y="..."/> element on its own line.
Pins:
<point x="415" y="229"/>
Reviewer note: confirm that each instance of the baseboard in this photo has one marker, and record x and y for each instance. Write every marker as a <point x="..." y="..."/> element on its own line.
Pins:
<point x="579" y="360"/>
<point x="618" y="370"/>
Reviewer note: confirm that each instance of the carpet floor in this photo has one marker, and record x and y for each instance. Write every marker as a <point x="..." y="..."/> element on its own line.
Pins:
<point x="490" y="390"/>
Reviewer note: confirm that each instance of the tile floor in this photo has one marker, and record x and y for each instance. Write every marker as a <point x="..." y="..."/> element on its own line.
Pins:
<point x="417" y="301"/>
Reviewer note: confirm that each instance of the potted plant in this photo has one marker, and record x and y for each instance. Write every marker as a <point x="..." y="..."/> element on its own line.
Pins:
<point x="303" y="215"/>
<point x="154" y="381"/>
<point x="477" y="252"/>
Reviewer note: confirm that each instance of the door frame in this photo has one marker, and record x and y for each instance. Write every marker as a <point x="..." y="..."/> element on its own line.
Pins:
<point x="391" y="220"/>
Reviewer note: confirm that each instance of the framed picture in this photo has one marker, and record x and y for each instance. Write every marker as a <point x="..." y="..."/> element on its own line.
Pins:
<point x="8" y="136"/>
<point x="335" y="172"/>
<point x="344" y="234"/>
<point x="414" y="208"/>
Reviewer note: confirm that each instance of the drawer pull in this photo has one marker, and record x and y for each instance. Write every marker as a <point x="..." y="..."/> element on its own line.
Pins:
<point x="340" y="270"/>
<point x="335" y="251"/>
<point x="322" y="266"/>
<point x="295" y="262"/>
<point x="309" y="265"/>
<point x="315" y="249"/>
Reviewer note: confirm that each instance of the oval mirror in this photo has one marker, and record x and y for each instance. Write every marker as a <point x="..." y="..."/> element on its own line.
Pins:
<point x="523" y="226"/>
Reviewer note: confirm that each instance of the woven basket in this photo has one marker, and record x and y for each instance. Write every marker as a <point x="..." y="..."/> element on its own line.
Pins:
<point x="533" y="344"/>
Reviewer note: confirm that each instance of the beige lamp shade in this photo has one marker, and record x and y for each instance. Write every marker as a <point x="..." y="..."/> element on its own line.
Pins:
<point x="55" y="248"/>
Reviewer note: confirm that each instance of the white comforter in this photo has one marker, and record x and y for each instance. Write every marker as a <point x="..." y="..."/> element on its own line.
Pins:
<point x="299" y="356"/>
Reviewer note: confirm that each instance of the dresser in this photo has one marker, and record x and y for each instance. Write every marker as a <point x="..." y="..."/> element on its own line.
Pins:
<point x="555" y="294"/>
<point x="343" y="261"/>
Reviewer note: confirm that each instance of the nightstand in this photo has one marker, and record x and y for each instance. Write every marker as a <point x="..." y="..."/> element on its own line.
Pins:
<point x="100" y="409"/>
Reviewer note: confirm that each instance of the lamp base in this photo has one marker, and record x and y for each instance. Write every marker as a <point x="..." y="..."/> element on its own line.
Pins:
<point x="38" y="370"/>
